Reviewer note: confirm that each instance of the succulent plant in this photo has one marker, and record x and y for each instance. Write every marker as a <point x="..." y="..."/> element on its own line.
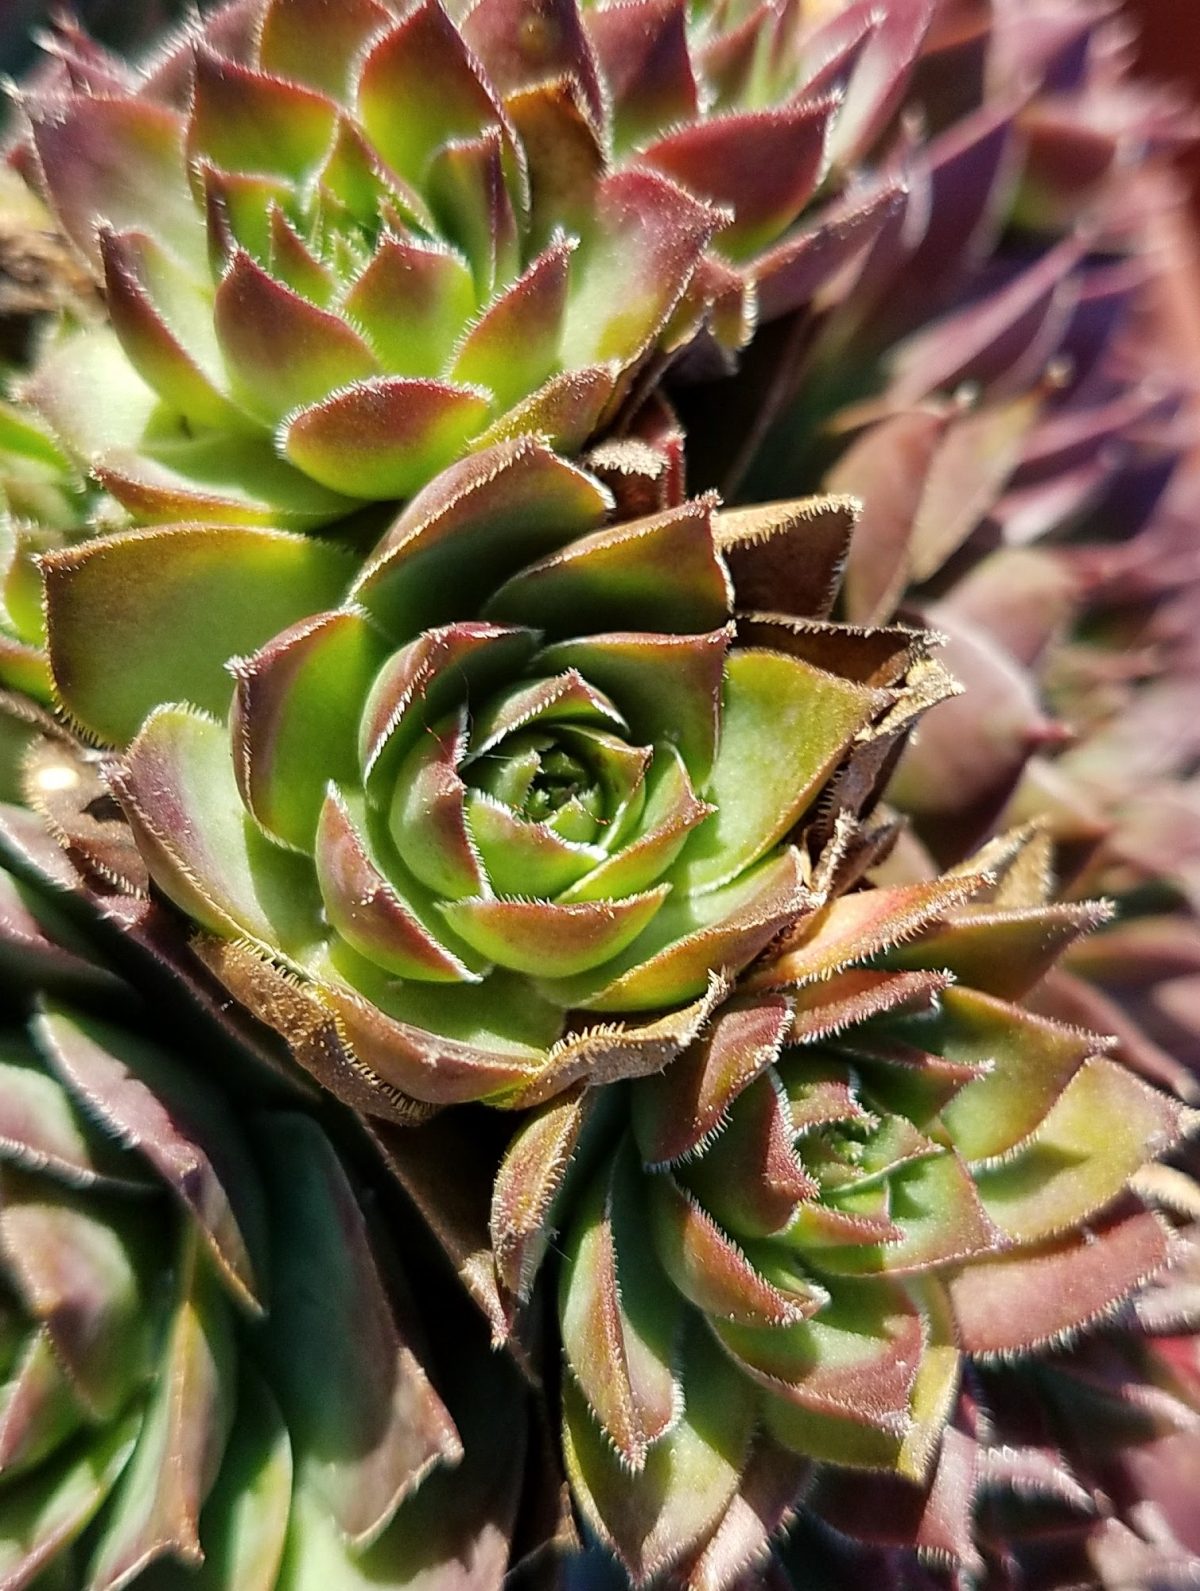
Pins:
<point x="181" y="1404"/>
<point x="342" y="245"/>
<point x="481" y="807"/>
<point x="873" y="1170"/>
<point x="529" y="778"/>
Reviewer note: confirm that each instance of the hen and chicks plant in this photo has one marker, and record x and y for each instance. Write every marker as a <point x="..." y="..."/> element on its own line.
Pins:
<point x="373" y="674"/>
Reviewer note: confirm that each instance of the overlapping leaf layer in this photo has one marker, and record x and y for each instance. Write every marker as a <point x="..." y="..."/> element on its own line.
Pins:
<point x="489" y="765"/>
<point x="211" y="1374"/>
<point x="485" y="819"/>
<point x="876" y="1166"/>
<point x="343" y="245"/>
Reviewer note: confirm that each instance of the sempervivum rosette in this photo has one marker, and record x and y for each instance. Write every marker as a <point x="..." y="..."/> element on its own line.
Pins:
<point x="483" y="811"/>
<point x="211" y="1374"/>
<point x="875" y="1167"/>
<point x="342" y="244"/>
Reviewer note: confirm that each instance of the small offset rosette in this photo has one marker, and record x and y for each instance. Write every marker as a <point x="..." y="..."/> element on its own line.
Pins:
<point x="483" y="812"/>
<point x="875" y="1165"/>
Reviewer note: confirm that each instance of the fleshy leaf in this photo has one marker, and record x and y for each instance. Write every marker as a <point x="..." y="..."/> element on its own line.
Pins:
<point x="419" y="89"/>
<point x="383" y="437"/>
<point x="247" y="120"/>
<point x="411" y="299"/>
<point x="118" y="163"/>
<point x="366" y="908"/>
<point x="787" y="558"/>
<point x="619" y="1317"/>
<point x="640" y="249"/>
<point x="644" y="53"/>
<point x="666" y="686"/>
<point x="547" y="938"/>
<point x="179" y="1126"/>
<point x="763" y="165"/>
<point x="676" y="1111"/>
<point x="317" y="43"/>
<point x="294" y="721"/>
<point x="513" y="346"/>
<point x="281" y="350"/>
<point x="245" y="1518"/>
<point x="1003" y="953"/>
<point x="690" y="937"/>
<point x="1104" y="1127"/>
<point x="370" y="1427"/>
<point x="1032" y="1299"/>
<point x="791" y="723"/>
<point x="712" y="1272"/>
<point x="248" y="584"/>
<point x="855" y="1360"/>
<point x="82" y="1272"/>
<point x="652" y="1519"/>
<point x="467" y="531"/>
<point x="178" y="790"/>
<point x="164" y="322"/>
<point x="1030" y="1059"/>
<point x="156" y="1511"/>
<point x="660" y="573"/>
<point x="53" y="1508"/>
<point x="860" y="925"/>
<point x="527" y="1185"/>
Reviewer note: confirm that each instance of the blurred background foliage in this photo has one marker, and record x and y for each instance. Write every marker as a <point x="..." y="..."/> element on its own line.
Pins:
<point x="1170" y="37"/>
<point x="127" y="24"/>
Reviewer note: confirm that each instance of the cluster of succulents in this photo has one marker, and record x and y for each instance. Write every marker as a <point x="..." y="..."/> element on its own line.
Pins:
<point x="597" y="688"/>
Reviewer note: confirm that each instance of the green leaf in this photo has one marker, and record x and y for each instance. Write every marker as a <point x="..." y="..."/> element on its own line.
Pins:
<point x="1030" y="1060"/>
<point x="38" y="1410"/>
<point x="789" y="722"/>
<point x="156" y="1512"/>
<point x="619" y="1316"/>
<point x="657" y="574"/>
<point x="454" y="1533"/>
<point x="368" y="1427"/>
<point x="176" y="1122"/>
<point x="643" y="241"/>
<point x="1106" y="1125"/>
<point x="667" y="687"/>
<point x="419" y="88"/>
<point x="690" y="938"/>
<point x="935" y="1204"/>
<point x="295" y="719"/>
<point x="178" y="789"/>
<point x="658" y="1516"/>
<point x="182" y="602"/>
<point x="81" y="1266"/>
<point x="412" y="300"/>
<point x="245" y="1520"/>
<point x="470" y="529"/>
<point x="389" y="920"/>
<point x="281" y="351"/>
<point x="215" y="478"/>
<point x="513" y="346"/>
<point x="855" y="1361"/>
<point x="544" y="937"/>
<point x="384" y="436"/>
<point x="44" y="1514"/>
